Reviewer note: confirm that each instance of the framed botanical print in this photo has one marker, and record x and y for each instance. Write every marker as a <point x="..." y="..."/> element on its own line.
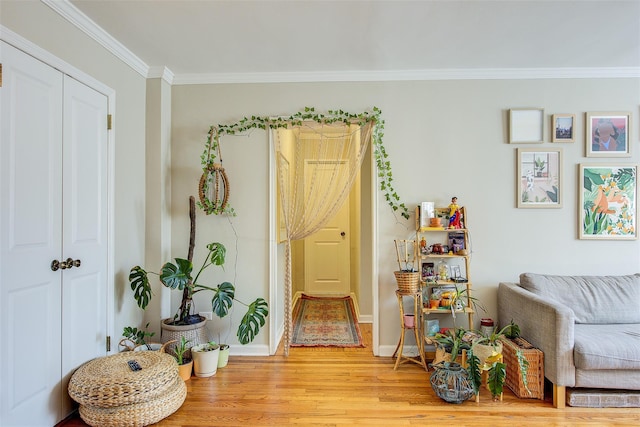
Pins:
<point x="607" y="207"/>
<point x="539" y="178"/>
<point x="607" y="134"/>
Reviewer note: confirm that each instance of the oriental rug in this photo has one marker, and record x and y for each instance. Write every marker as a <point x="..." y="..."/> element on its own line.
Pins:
<point x="325" y="322"/>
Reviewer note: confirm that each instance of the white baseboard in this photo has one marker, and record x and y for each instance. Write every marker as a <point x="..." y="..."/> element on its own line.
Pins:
<point x="388" y="350"/>
<point x="249" y="350"/>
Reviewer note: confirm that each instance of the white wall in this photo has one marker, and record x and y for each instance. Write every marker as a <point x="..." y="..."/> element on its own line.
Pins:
<point x="444" y="138"/>
<point x="39" y="24"/>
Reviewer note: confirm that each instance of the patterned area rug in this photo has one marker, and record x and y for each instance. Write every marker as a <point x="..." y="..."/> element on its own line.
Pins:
<point x="325" y="322"/>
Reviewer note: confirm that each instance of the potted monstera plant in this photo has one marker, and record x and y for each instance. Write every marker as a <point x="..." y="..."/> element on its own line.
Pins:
<point x="179" y="276"/>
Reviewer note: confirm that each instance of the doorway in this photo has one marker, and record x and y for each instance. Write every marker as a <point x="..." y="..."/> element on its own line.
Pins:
<point x="362" y="248"/>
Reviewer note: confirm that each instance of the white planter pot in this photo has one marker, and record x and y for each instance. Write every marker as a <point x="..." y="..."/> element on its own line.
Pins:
<point x="205" y="363"/>
<point x="223" y="359"/>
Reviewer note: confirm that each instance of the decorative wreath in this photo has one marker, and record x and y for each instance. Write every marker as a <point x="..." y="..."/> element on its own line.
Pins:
<point x="215" y="175"/>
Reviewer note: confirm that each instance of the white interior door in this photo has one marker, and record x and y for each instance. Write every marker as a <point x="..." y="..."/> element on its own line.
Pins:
<point x="84" y="237"/>
<point x="30" y="222"/>
<point x="327" y="260"/>
<point x="53" y="168"/>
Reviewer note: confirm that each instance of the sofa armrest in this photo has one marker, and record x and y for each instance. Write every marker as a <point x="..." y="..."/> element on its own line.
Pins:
<point x="547" y="325"/>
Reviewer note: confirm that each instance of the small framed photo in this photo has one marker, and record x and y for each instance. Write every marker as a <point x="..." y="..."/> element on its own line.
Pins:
<point x="539" y="178"/>
<point x="563" y="127"/>
<point x="607" y="134"/>
<point x="607" y="206"/>
<point x="526" y="125"/>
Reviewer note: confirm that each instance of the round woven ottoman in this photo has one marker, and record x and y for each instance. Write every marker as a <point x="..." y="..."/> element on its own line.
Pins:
<point x="111" y="394"/>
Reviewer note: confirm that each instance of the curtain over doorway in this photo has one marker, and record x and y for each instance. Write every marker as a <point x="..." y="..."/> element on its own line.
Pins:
<point x="316" y="166"/>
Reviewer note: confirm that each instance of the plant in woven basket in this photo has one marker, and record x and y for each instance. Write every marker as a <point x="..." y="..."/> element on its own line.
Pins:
<point x="178" y="276"/>
<point x="134" y="337"/>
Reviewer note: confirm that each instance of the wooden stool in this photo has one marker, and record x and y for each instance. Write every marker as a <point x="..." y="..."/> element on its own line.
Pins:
<point x="417" y="330"/>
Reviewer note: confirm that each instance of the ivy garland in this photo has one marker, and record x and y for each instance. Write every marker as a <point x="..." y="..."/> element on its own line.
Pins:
<point x="331" y="116"/>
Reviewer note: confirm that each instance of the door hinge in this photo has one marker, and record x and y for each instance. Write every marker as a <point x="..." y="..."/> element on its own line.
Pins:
<point x="109" y="120"/>
<point x="108" y="343"/>
<point x="0" y="75"/>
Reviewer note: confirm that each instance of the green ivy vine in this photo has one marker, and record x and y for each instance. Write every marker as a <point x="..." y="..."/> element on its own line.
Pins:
<point x="383" y="164"/>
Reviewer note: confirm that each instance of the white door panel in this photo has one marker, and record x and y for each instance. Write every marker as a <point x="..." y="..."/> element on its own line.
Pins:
<point x="53" y="206"/>
<point x="30" y="219"/>
<point x="84" y="290"/>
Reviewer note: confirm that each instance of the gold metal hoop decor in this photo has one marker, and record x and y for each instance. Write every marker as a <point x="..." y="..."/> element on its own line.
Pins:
<point x="214" y="174"/>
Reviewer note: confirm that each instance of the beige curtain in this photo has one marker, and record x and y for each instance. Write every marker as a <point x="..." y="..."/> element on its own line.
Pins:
<point x="316" y="165"/>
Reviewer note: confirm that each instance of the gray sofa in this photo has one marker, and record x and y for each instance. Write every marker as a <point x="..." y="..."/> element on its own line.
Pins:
<point x="587" y="326"/>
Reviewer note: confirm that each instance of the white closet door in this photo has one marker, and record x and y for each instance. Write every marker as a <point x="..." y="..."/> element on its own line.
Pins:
<point x="30" y="237"/>
<point x="84" y="287"/>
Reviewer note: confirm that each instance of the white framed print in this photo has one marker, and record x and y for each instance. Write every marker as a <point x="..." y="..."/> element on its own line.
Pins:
<point x="526" y="125"/>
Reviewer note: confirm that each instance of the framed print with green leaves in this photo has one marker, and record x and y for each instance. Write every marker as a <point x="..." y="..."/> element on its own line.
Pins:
<point x="607" y="202"/>
<point x="539" y="178"/>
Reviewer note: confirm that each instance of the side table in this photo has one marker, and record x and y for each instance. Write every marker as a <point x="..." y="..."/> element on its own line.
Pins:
<point x="417" y="330"/>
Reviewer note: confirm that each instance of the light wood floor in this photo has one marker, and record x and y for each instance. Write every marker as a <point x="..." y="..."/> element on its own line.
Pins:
<point x="336" y="387"/>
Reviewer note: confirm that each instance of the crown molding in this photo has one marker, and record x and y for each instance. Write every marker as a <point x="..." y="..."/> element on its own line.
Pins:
<point x="412" y="75"/>
<point x="161" y="73"/>
<point x="72" y="14"/>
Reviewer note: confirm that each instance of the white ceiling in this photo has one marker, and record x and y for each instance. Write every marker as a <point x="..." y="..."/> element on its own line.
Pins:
<point x="221" y="38"/>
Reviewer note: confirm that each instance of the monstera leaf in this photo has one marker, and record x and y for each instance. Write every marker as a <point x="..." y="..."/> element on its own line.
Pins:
<point x="176" y="276"/>
<point x="252" y="321"/>
<point x="223" y="299"/>
<point x="140" y="286"/>
<point x="217" y="253"/>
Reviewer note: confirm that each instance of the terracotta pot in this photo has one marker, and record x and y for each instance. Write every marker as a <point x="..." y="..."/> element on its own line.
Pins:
<point x="185" y="370"/>
<point x="434" y="303"/>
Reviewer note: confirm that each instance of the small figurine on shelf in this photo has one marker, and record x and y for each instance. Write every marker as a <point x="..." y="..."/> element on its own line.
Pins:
<point x="423" y="246"/>
<point x="454" y="214"/>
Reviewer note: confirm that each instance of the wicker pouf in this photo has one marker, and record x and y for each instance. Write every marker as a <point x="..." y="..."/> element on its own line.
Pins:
<point x="137" y="414"/>
<point x="111" y="394"/>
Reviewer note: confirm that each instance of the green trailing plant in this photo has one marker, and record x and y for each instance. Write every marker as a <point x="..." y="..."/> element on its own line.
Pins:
<point x="496" y="378"/>
<point x="385" y="175"/>
<point x="524" y="369"/>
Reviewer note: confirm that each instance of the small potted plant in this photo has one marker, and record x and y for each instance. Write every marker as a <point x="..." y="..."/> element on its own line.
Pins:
<point x="134" y="338"/>
<point x="185" y="364"/>
<point x="434" y="300"/>
<point x="205" y="359"/>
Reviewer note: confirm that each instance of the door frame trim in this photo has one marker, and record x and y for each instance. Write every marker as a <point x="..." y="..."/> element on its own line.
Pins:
<point x="48" y="58"/>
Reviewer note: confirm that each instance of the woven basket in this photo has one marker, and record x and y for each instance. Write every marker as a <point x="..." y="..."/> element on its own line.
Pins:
<point x="109" y="381"/>
<point x="195" y="334"/>
<point x="408" y="281"/>
<point x="137" y="414"/>
<point x="535" y="371"/>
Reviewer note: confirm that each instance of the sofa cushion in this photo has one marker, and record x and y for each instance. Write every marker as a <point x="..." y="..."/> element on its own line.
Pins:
<point x="607" y="346"/>
<point x="593" y="299"/>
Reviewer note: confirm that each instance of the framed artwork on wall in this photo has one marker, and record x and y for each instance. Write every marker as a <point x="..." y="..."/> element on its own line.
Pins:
<point x="563" y="127"/>
<point x="539" y="178"/>
<point x="607" y="206"/>
<point x="526" y="125"/>
<point x="607" y="134"/>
